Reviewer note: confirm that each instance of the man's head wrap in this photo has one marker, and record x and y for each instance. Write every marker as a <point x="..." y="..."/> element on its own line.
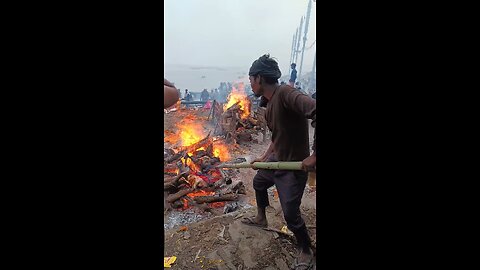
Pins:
<point x="265" y="67"/>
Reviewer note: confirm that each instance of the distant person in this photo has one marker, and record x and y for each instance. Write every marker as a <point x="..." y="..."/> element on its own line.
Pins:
<point x="204" y="95"/>
<point x="293" y="75"/>
<point x="186" y="94"/>
<point x="170" y="94"/>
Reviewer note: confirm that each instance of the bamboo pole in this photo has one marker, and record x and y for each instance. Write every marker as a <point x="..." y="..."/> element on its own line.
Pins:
<point x="281" y="165"/>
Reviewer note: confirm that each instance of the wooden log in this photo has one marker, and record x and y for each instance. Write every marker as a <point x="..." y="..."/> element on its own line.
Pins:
<point x="210" y="150"/>
<point x="174" y="184"/>
<point x="173" y="197"/>
<point x="212" y="111"/>
<point x="167" y="152"/>
<point x="169" y="178"/>
<point x="177" y="204"/>
<point x="200" y="153"/>
<point x="201" y="206"/>
<point x="175" y="157"/>
<point x="170" y="167"/>
<point x="184" y="173"/>
<point x="210" y="199"/>
<point x="224" y="180"/>
<point x="196" y="181"/>
<point x="235" y="106"/>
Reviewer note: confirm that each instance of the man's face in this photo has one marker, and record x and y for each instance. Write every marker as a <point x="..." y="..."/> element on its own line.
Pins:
<point x="255" y="84"/>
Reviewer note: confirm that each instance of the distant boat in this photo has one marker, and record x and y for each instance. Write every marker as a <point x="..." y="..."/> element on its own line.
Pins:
<point x="203" y="77"/>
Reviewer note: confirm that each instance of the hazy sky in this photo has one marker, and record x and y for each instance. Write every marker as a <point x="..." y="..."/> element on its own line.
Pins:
<point x="234" y="33"/>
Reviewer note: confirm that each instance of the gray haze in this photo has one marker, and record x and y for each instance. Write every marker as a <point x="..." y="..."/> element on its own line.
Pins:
<point x="219" y="39"/>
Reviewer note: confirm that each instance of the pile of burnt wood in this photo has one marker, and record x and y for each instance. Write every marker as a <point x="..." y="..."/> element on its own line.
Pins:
<point x="191" y="178"/>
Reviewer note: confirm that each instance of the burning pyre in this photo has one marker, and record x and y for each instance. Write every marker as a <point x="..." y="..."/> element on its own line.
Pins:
<point x="190" y="173"/>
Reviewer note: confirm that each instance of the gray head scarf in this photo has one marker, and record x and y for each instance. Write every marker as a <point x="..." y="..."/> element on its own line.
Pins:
<point x="265" y="67"/>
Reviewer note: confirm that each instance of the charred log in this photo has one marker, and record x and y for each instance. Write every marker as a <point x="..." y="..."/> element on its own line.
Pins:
<point x="221" y="198"/>
<point x="177" y="204"/>
<point x="175" y="157"/>
<point x="173" y="197"/>
<point x="174" y="184"/>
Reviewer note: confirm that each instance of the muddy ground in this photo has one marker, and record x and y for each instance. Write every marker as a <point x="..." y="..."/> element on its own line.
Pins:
<point x="221" y="241"/>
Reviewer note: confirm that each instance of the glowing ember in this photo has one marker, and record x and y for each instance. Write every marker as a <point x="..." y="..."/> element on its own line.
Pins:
<point x="217" y="204"/>
<point x="185" y="204"/>
<point x="200" y="193"/>
<point x="239" y="95"/>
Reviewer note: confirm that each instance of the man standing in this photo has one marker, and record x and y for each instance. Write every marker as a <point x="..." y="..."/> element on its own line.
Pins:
<point x="286" y="114"/>
<point x="293" y="75"/>
<point x="204" y="95"/>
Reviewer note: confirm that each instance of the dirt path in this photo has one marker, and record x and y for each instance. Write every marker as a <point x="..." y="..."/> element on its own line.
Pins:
<point x="240" y="246"/>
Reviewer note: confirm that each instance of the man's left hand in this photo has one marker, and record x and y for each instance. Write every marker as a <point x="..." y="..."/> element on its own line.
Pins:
<point x="310" y="163"/>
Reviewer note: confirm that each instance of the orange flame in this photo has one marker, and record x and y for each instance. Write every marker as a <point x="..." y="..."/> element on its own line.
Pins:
<point x="239" y="95"/>
<point x="190" y="132"/>
<point x="171" y="137"/>
<point x="220" y="151"/>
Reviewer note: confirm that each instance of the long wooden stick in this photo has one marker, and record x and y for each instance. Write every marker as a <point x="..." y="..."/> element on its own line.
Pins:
<point x="281" y="165"/>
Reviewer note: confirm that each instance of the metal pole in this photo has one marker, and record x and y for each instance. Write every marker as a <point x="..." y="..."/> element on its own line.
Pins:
<point x="313" y="69"/>
<point x="295" y="46"/>
<point x="305" y="36"/>
<point x="298" y="41"/>
<point x="292" y="52"/>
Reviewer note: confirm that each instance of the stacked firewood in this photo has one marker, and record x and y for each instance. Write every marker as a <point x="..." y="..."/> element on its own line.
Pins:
<point x="238" y="130"/>
<point x="191" y="178"/>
